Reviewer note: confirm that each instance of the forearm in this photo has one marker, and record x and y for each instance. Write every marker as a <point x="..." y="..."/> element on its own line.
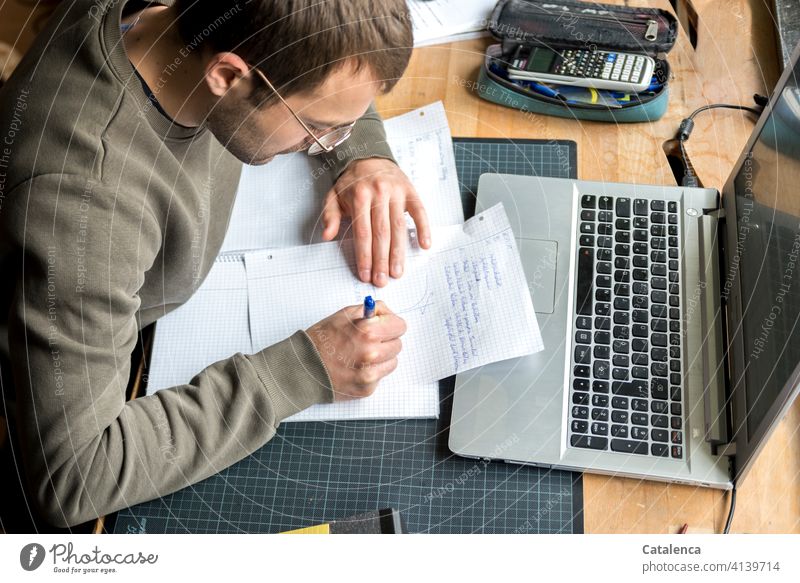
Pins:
<point x="98" y="454"/>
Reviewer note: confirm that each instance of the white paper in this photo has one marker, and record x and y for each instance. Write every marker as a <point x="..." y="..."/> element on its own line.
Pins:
<point x="465" y="301"/>
<point x="211" y="326"/>
<point x="440" y="21"/>
<point x="280" y="204"/>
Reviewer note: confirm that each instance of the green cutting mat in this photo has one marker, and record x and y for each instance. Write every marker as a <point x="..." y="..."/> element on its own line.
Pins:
<point x="316" y="472"/>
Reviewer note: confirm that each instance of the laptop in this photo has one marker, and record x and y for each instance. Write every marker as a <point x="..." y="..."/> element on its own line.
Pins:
<point x="670" y="318"/>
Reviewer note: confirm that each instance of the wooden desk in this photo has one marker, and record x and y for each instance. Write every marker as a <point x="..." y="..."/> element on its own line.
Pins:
<point x="735" y="57"/>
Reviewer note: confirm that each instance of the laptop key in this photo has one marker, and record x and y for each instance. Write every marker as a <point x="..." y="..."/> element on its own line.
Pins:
<point x="599" y="401"/>
<point x="628" y="446"/>
<point x="659" y="449"/>
<point x="623" y="207"/>
<point x="640" y="206"/>
<point x="659" y="435"/>
<point x="580" y="398"/>
<point x="602" y="352"/>
<point x="602" y="309"/>
<point x="619" y="416"/>
<point x="657" y="205"/>
<point x="639" y="432"/>
<point x="605" y="203"/>
<point x="600" y="386"/>
<point x="658" y="420"/>
<point x="619" y="431"/>
<point x="639" y="345"/>
<point x="634" y="388"/>
<point x="639" y="405"/>
<point x="623" y="304"/>
<point x="601" y="368"/>
<point x="639" y="261"/>
<point x="676" y="422"/>
<point x="583" y="337"/>
<point x="579" y="426"/>
<point x="619" y="402"/>
<point x="599" y="428"/>
<point x="579" y="412"/>
<point x="621" y="346"/>
<point x="677" y="451"/>
<point x="588" y="201"/>
<point x="581" y="370"/>
<point x="636" y="418"/>
<point x="580" y="384"/>
<point x="583" y="354"/>
<point x="658" y="388"/>
<point x="589" y="441"/>
<point x="602" y="337"/>
<point x="658" y="406"/>
<point x="587" y="215"/>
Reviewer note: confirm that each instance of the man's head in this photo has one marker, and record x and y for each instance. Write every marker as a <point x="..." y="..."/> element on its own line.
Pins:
<point x="327" y="58"/>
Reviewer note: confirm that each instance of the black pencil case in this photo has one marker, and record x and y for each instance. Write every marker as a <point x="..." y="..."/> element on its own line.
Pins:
<point x="569" y="24"/>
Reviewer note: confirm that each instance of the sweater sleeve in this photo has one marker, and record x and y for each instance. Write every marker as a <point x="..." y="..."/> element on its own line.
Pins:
<point x="368" y="140"/>
<point x="72" y="329"/>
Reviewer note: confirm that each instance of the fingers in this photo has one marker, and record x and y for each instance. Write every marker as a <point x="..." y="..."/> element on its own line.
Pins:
<point x="417" y="211"/>
<point x="368" y="377"/>
<point x="331" y="216"/>
<point x="381" y="237"/>
<point x="362" y="232"/>
<point x="397" y="254"/>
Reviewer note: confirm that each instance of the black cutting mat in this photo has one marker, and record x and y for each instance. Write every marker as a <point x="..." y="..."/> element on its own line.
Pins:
<point x="315" y="472"/>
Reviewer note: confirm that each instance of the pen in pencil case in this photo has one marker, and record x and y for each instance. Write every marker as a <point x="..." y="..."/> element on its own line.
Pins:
<point x="369" y="307"/>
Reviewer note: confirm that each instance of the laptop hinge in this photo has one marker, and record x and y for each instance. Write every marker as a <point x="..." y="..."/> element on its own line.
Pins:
<point x="712" y="348"/>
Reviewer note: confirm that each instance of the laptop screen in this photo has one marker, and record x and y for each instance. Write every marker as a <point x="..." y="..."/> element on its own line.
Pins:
<point x="767" y="254"/>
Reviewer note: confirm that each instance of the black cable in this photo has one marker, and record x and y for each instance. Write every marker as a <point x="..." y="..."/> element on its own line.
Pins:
<point x="730" y="511"/>
<point x="687" y="125"/>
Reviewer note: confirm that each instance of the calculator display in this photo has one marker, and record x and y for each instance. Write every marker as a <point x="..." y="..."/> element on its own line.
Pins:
<point x="540" y="60"/>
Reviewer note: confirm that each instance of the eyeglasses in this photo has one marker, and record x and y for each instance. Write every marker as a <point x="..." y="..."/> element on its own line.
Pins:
<point x="326" y="141"/>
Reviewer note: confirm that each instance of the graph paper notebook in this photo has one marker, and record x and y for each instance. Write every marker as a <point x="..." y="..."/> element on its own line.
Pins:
<point x="465" y="301"/>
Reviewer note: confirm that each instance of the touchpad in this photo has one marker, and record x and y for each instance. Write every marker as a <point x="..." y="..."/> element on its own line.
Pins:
<point x="539" y="263"/>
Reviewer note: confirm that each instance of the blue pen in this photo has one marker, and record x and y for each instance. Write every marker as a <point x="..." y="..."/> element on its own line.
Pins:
<point x="369" y="307"/>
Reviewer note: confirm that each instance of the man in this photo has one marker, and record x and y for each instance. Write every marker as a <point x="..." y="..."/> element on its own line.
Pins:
<point x="125" y="127"/>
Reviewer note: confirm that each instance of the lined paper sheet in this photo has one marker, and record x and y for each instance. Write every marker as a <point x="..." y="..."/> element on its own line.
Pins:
<point x="280" y="204"/>
<point x="466" y="303"/>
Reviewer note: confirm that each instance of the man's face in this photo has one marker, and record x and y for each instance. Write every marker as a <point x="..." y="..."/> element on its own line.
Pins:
<point x="255" y="136"/>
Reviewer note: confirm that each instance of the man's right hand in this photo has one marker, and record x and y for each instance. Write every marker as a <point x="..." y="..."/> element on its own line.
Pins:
<point x="358" y="352"/>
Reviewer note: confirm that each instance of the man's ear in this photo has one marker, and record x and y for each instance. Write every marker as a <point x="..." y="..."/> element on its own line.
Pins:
<point x="225" y="72"/>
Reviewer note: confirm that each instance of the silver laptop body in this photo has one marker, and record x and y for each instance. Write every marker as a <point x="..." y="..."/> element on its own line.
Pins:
<point x="731" y="396"/>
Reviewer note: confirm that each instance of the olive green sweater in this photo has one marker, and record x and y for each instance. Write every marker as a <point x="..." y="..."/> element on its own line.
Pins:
<point x="110" y="217"/>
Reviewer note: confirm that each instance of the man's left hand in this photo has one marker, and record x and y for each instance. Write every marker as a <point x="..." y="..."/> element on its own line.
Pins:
<point x="375" y="194"/>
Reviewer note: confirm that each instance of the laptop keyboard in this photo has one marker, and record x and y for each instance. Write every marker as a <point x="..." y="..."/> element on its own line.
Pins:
<point x="626" y="377"/>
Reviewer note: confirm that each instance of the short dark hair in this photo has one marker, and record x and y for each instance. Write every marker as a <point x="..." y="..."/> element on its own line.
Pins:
<point x="298" y="43"/>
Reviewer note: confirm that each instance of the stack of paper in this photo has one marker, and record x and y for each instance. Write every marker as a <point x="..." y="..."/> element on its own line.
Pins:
<point x="444" y="21"/>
